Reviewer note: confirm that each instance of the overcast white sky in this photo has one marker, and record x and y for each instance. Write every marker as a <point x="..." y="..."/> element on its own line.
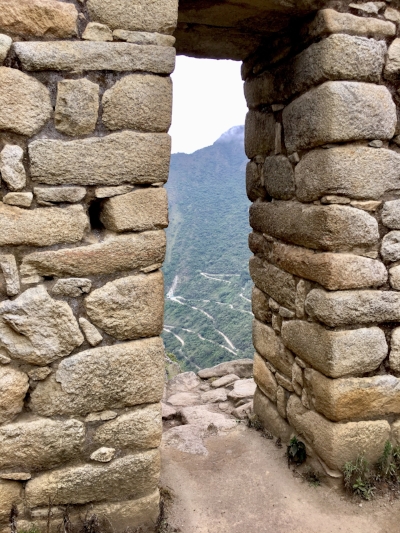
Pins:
<point x="208" y="100"/>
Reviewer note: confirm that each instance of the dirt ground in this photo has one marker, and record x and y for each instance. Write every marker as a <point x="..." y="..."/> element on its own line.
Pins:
<point x="244" y="486"/>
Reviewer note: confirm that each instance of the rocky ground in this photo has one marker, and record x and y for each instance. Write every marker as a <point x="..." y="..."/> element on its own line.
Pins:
<point x="225" y="477"/>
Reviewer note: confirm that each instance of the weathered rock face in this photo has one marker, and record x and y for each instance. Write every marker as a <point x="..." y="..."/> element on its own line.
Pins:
<point x="275" y="282"/>
<point x="264" y="378"/>
<point x="40" y="444"/>
<point x="330" y="227"/>
<point x="14" y="385"/>
<point x="339" y="170"/>
<point x="354" y="398"/>
<point x="10" y="493"/>
<point x="5" y="45"/>
<point x="38" y="18"/>
<point x="115" y="254"/>
<point x="75" y="56"/>
<point x="154" y="17"/>
<point x="336" y="353"/>
<point x="353" y="307"/>
<point x="42" y="227"/>
<point x="270" y="418"/>
<point x="140" y="210"/>
<point x="93" y="161"/>
<point x="140" y="102"/>
<point x="139" y="429"/>
<point x="25" y="105"/>
<point x="333" y="271"/>
<point x="338" y="443"/>
<point x="339" y="112"/>
<point x="37" y="329"/>
<point x="11" y="167"/>
<point x="260" y="307"/>
<point x="77" y="107"/>
<point x="130" y="307"/>
<point x="269" y="345"/>
<point x="259" y="133"/>
<point x="120" y="376"/>
<point x="127" y="477"/>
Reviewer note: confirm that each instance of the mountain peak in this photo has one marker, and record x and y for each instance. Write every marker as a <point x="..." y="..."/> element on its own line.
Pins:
<point x="233" y="134"/>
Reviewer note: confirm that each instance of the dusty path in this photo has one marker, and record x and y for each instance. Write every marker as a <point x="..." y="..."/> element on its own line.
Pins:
<point x="244" y="486"/>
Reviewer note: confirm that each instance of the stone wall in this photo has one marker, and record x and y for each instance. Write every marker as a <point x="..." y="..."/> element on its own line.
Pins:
<point x="324" y="179"/>
<point x="85" y="106"/>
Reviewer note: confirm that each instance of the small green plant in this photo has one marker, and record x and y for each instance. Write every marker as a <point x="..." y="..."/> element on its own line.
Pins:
<point x="358" y="478"/>
<point x="388" y="465"/>
<point x="296" y="452"/>
<point x="312" y="477"/>
<point x="254" y="422"/>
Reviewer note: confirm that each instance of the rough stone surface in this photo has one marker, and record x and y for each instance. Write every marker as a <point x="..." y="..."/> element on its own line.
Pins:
<point x="394" y="276"/>
<point x="38" y="18"/>
<point x="121" y="375"/>
<point x="39" y="374"/>
<point x="50" y="195"/>
<point x="391" y="214"/>
<point x="268" y="415"/>
<point x="139" y="102"/>
<point x="259" y="133"/>
<point x="339" y="111"/>
<point x="242" y="388"/>
<point x="78" y="56"/>
<point x="224" y="381"/>
<point x="110" y="192"/>
<point x="103" y="455"/>
<point x="13" y="387"/>
<point x="97" y="32"/>
<point x="5" y="45"/>
<point x="281" y="401"/>
<point x="394" y="356"/>
<point x="269" y="345"/>
<point x="187" y="439"/>
<point x="202" y="417"/>
<point x="214" y="396"/>
<point x="349" y="398"/>
<point x="392" y="67"/>
<point x="329" y="21"/>
<point x="264" y="378"/>
<point x="259" y="305"/>
<point x="116" y="254"/>
<point x="273" y="281"/>
<point x="11" y="167"/>
<point x="102" y="416"/>
<point x="183" y="382"/>
<point x="329" y="227"/>
<point x="356" y="171"/>
<point x="10" y="493"/>
<point x="37" y="329"/>
<point x="390" y="249"/>
<point x="142" y="15"/>
<point x="254" y="186"/>
<point x="392" y="14"/>
<point x="92" y="334"/>
<point x="40" y="444"/>
<point x="139" y="157"/>
<point x="127" y="477"/>
<point x="184" y="399"/>
<point x="279" y="177"/>
<point x="19" y="199"/>
<point x="77" y="107"/>
<point x="353" y="307"/>
<point x="140" y="429"/>
<point x="129" y="308"/>
<point x="143" y="37"/>
<point x="336" y="353"/>
<point x="338" y="443"/>
<point x="139" y="210"/>
<point x="25" y="105"/>
<point x="41" y="227"/>
<point x="9" y="268"/>
<point x="243" y="368"/>
<point x="333" y="271"/>
<point x="72" y="287"/>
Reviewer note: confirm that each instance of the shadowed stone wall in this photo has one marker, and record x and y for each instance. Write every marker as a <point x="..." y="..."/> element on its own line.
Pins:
<point x="85" y="106"/>
<point x="322" y="137"/>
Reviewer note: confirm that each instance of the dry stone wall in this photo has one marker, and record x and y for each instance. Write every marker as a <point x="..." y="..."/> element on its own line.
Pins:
<point x="322" y="136"/>
<point x="85" y="107"/>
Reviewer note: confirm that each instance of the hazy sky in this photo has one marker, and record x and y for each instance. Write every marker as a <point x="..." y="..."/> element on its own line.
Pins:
<point x="208" y="100"/>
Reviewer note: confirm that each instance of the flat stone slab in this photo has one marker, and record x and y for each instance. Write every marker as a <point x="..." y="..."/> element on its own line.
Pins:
<point x="243" y="368"/>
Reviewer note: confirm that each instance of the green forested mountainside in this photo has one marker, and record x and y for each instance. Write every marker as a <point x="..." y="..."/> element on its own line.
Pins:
<point x="208" y="311"/>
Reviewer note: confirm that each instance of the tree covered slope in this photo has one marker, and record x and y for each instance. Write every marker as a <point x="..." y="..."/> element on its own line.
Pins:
<point x="208" y="313"/>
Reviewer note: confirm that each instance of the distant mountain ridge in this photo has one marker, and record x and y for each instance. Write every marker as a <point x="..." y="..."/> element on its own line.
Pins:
<point x="206" y="270"/>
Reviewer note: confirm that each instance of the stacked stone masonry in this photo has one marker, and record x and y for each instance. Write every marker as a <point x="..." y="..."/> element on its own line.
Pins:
<point x="85" y="108"/>
<point x="322" y="136"/>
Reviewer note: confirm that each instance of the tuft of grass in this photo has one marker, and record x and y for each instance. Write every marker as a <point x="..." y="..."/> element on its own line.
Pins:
<point x="358" y="478"/>
<point x="313" y="477"/>
<point x="296" y="452"/>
